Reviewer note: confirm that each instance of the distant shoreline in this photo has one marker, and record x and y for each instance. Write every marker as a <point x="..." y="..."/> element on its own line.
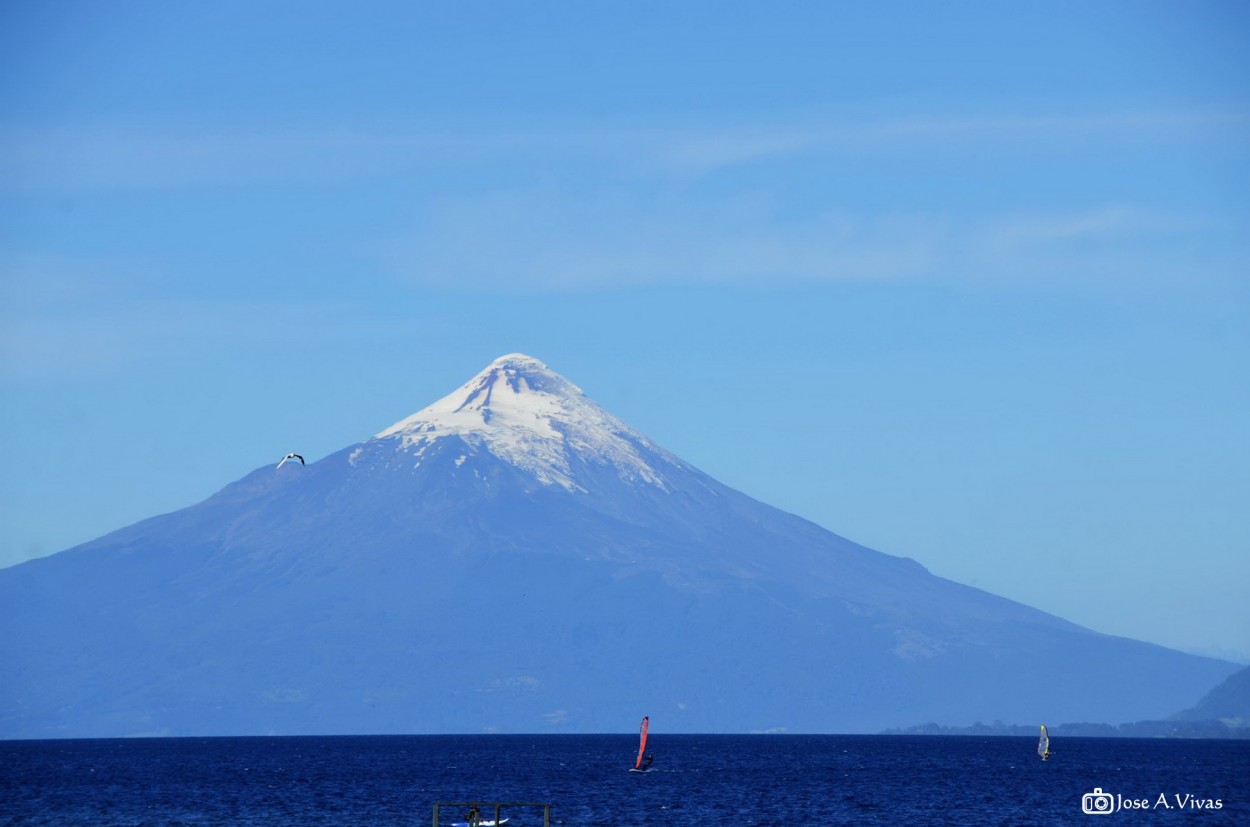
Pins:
<point x="1139" y="729"/>
<point x="1202" y="730"/>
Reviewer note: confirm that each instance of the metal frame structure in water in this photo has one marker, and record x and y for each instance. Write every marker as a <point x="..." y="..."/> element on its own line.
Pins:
<point x="497" y="806"/>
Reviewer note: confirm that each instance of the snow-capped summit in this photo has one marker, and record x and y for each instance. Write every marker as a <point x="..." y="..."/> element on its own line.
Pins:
<point x="533" y="418"/>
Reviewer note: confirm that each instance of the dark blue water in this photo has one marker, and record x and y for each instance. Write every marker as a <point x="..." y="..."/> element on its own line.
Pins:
<point x="696" y="780"/>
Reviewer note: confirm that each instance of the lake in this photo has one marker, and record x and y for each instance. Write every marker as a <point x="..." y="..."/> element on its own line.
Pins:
<point x="695" y="780"/>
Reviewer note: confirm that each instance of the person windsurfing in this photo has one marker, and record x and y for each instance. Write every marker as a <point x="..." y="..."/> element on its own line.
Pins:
<point x="646" y="761"/>
<point x="642" y="747"/>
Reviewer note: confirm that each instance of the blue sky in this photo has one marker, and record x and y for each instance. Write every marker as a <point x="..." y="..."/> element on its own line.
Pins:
<point x="964" y="282"/>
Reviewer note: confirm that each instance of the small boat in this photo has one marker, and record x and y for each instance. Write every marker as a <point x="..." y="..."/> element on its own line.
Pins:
<point x="642" y="748"/>
<point x="1043" y="744"/>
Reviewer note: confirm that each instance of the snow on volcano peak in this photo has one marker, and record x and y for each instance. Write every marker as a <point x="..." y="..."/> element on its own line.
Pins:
<point x="533" y="418"/>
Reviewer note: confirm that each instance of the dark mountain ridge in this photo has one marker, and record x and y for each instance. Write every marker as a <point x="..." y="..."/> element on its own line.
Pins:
<point x="1228" y="703"/>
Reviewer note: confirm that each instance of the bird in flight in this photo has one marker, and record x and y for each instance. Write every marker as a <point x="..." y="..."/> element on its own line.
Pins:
<point x="291" y="456"/>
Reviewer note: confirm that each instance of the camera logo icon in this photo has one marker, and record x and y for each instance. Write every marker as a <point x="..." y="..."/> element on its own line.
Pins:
<point x="1098" y="802"/>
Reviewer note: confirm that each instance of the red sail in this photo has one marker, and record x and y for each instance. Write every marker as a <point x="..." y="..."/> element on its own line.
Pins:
<point x="642" y="742"/>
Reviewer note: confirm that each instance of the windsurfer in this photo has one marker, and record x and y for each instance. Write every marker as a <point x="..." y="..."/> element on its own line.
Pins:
<point x="475" y="816"/>
<point x="646" y="762"/>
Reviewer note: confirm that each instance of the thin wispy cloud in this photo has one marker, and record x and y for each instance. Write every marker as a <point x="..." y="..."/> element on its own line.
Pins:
<point x="94" y="320"/>
<point x="156" y="154"/>
<point x="1011" y="134"/>
<point x="1120" y="244"/>
<point x="554" y="240"/>
<point x="1112" y="219"/>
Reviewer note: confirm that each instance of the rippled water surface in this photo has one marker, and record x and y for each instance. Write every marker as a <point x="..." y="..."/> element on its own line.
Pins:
<point x="696" y="779"/>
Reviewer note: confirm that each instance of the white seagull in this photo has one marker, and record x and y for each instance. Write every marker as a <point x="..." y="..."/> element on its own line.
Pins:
<point x="291" y="456"/>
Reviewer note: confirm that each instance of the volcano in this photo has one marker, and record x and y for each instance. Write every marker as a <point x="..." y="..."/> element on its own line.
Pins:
<point x="514" y="558"/>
